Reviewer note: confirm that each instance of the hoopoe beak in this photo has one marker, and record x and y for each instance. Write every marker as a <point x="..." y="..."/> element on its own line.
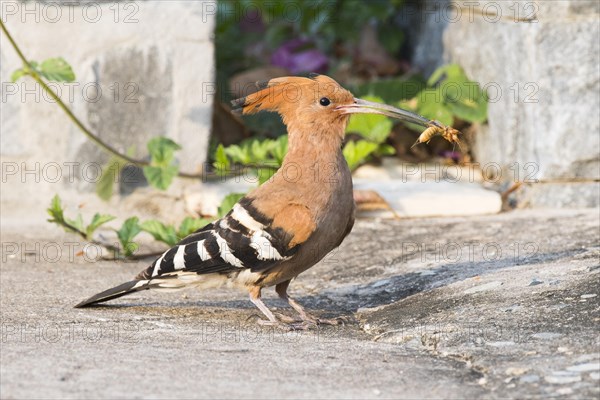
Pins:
<point x="361" y="106"/>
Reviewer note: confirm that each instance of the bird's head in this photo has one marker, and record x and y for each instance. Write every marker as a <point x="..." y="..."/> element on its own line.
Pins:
<point x="317" y="101"/>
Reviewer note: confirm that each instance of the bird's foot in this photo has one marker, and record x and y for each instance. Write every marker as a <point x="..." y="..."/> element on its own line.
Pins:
<point x="287" y="319"/>
<point x="341" y="320"/>
<point x="314" y="321"/>
<point x="288" y="325"/>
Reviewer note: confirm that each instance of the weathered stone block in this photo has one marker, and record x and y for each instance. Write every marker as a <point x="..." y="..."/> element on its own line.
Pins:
<point x="152" y="61"/>
<point x="546" y="92"/>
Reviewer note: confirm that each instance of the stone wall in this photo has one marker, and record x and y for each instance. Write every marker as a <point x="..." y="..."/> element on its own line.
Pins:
<point x="539" y="61"/>
<point x="143" y="69"/>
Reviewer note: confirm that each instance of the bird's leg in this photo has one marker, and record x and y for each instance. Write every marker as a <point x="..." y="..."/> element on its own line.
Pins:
<point x="281" y="290"/>
<point x="255" y="298"/>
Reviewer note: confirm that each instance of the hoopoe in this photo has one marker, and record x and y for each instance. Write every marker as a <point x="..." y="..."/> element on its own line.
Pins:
<point x="289" y="223"/>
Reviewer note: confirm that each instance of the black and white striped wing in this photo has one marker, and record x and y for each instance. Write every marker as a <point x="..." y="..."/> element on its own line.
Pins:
<point x="240" y="240"/>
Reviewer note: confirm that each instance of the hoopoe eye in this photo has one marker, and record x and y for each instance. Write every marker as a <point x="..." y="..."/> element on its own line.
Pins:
<point x="324" y="101"/>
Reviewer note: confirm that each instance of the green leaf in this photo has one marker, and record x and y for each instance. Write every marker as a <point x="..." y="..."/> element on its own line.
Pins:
<point x="356" y="153"/>
<point x="110" y="175"/>
<point x="190" y="225"/>
<point x="161" y="150"/>
<point x="467" y="101"/>
<point x="77" y="223"/>
<point x="56" y="211"/>
<point x="264" y="174"/>
<point x="97" y="221"/>
<point x="228" y="203"/>
<point x="56" y="69"/>
<point x="129" y="230"/>
<point x="435" y="109"/>
<point x="255" y="152"/>
<point x="17" y="74"/>
<point x="449" y="72"/>
<point x="160" y="177"/>
<point x="221" y="163"/>
<point x="160" y="231"/>
<point x="279" y="149"/>
<point x="469" y="110"/>
<point x="385" y="150"/>
<point x="461" y="97"/>
<point x="380" y="132"/>
<point x="239" y="153"/>
<point x="259" y="149"/>
<point x="374" y="127"/>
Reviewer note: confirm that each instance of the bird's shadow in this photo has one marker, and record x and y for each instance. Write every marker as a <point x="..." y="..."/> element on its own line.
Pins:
<point x="347" y="299"/>
<point x="385" y="291"/>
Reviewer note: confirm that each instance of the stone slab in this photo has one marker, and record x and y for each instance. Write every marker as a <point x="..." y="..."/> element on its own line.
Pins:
<point x="463" y="345"/>
<point x="418" y="199"/>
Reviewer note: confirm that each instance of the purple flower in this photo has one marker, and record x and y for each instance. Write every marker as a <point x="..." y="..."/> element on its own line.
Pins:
<point x="299" y="55"/>
<point x="452" y="155"/>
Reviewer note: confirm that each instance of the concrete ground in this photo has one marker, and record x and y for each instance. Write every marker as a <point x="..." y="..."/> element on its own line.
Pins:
<point x="501" y="306"/>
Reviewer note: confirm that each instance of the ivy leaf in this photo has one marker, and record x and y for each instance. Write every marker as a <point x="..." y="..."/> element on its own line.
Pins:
<point x="190" y="225"/>
<point x="56" y="69"/>
<point x="17" y="74"/>
<point x="228" y="203"/>
<point x="97" y="221"/>
<point x="160" y="231"/>
<point x="356" y="153"/>
<point x="162" y="176"/>
<point x="161" y="150"/>
<point x="221" y="163"/>
<point x="129" y="230"/>
<point x="110" y="175"/>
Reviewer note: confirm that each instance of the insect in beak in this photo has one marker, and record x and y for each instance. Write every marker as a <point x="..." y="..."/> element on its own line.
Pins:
<point x="361" y="106"/>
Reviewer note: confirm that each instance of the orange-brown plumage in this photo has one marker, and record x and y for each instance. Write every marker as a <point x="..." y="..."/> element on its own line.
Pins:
<point x="288" y="224"/>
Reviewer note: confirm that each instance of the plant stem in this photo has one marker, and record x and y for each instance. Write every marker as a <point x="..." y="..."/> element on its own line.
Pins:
<point x="31" y="71"/>
<point x="93" y="137"/>
<point x="115" y="250"/>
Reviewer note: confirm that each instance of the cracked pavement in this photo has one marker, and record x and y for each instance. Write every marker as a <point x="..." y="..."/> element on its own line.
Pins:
<point x="499" y="306"/>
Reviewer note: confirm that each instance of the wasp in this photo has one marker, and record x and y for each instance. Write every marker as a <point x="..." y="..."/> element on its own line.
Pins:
<point x="435" y="128"/>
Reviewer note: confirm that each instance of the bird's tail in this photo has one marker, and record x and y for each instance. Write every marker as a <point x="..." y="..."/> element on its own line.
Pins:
<point x="118" y="291"/>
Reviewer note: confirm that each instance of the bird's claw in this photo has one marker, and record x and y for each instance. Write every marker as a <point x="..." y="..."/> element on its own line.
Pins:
<point x="341" y="320"/>
<point x="315" y="321"/>
<point x="306" y="322"/>
<point x="288" y="326"/>
<point x="287" y="319"/>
